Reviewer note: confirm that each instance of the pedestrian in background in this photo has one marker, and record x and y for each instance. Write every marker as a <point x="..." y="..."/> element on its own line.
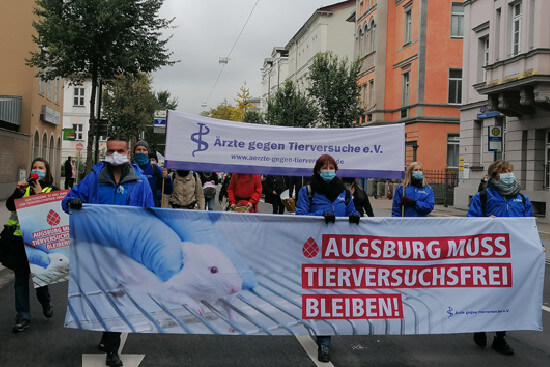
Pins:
<point x="16" y="258"/>
<point x="245" y="190"/>
<point x="415" y="198"/>
<point x="501" y="198"/>
<point x="273" y="187"/>
<point x="187" y="192"/>
<point x="157" y="177"/>
<point x="115" y="182"/>
<point x="326" y="196"/>
<point x="70" y="173"/>
<point x="209" y="182"/>
<point x="223" y="191"/>
<point x="295" y="184"/>
<point x="360" y="198"/>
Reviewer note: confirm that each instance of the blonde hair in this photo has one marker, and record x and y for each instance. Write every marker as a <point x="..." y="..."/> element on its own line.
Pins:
<point x="408" y="174"/>
<point x="497" y="167"/>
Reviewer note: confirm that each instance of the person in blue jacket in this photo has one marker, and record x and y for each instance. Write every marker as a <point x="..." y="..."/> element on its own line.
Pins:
<point x="501" y="198"/>
<point x="116" y="182"/>
<point x="414" y="198"/>
<point x="326" y="196"/>
<point x="156" y="175"/>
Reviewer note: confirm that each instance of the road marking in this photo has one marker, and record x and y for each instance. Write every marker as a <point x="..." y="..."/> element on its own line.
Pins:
<point x="311" y="349"/>
<point x="98" y="360"/>
<point x="547" y="309"/>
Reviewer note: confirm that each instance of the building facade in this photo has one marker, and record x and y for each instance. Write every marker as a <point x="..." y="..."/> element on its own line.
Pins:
<point x="76" y="117"/>
<point x="325" y="30"/>
<point x="411" y="72"/>
<point x="30" y="108"/>
<point x="507" y="90"/>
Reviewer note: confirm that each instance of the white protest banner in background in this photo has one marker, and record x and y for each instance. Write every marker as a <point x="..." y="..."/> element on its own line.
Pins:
<point x="203" y="272"/>
<point x="205" y="144"/>
<point x="45" y="228"/>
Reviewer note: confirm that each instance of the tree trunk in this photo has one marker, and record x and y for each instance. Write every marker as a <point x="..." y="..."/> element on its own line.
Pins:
<point x="91" y="131"/>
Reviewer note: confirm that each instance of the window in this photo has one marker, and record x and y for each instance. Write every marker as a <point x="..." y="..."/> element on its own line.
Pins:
<point x="36" y="146"/>
<point x="452" y="150"/>
<point x="408" y="26"/>
<point x="455" y="86"/>
<point x="516" y="29"/>
<point x="373" y="36"/>
<point x="371" y="94"/>
<point x="44" y="146"/>
<point x="457" y="20"/>
<point x="547" y="162"/>
<point x="77" y="131"/>
<point x="56" y="90"/>
<point x="365" y="106"/>
<point x="367" y="40"/>
<point x="405" y="90"/>
<point x="78" y="96"/>
<point x="485" y="58"/>
<point x="361" y="36"/>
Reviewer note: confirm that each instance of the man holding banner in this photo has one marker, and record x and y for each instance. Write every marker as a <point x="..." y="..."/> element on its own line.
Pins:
<point x="115" y="182"/>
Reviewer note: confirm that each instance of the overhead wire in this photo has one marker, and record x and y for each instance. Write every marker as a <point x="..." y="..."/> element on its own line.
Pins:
<point x="231" y="51"/>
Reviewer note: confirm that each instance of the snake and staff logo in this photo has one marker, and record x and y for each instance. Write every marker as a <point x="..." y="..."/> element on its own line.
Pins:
<point x="197" y="138"/>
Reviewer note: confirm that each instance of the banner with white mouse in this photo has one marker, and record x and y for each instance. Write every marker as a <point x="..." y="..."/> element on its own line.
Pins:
<point x="45" y="228"/>
<point x="201" y="143"/>
<point x="202" y="272"/>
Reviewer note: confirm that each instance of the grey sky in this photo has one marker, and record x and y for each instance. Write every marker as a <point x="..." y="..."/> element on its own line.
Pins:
<point x="207" y="29"/>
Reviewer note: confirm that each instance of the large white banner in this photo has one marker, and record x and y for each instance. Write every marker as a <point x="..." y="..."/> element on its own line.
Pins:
<point x="205" y="144"/>
<point x="203" y="272"/>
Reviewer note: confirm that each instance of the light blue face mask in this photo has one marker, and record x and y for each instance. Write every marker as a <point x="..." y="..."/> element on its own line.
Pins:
<point x="507" y="178"/>
<point x="418" y="175"/>
<point x="141" y="158"/>
<point x="327" y="175"/>
<point x="41" y="174"/>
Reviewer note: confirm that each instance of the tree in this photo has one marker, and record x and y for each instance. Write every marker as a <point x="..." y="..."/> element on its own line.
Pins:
<point x="243" y="101"/>
<point x="333" y="85"/>
<point x="225" y="111"/>
<point x="290" y="107"/>
<point x="253" y="116"/>
<point x="98" y="40"/>
<point x="164" y="102"/>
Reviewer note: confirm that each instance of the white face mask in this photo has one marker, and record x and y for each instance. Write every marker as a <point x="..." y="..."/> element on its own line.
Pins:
<point x="116" y="159"/>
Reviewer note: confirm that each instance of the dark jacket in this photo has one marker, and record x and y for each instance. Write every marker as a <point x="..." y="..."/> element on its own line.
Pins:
<point x="274" y="183"/>
<point x="295" y="184"/>
<point x="209" y="176"/>
<point x="361" y="202"/>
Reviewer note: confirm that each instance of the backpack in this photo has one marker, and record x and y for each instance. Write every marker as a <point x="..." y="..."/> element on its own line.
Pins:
<point x="483" y="200"/>
<point x="310" y="195"/>
<point x="209" y="190"/>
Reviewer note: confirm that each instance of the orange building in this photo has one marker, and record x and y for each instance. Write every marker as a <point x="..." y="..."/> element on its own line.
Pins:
<point x="411" y="54"/>
<point x="31" y="110"/>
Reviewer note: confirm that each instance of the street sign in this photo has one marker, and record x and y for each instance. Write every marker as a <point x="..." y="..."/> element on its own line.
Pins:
<point x="79" y="147"/>
<point x="159" y="118"/>
<point x="68" y="134"/>
<point x="495" y="138"/>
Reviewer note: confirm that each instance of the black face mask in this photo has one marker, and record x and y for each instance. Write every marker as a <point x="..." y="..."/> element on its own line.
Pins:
<point x="182" y="173"/>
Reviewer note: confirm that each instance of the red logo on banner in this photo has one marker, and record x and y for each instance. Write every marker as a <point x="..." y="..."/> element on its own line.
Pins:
<point x="53" y="218"/>
<point x="310" y="249"/>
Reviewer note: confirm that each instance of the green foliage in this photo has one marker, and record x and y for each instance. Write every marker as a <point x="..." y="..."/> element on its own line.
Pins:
<point x="333" y="85"/>
<point x="290" y="107"/>
<point x="253" y="116"/>
<point x="129" y="105"/>
<point x="225" y="111"/>
<point x="98" y="40"/>
<point x="164" y="102"/>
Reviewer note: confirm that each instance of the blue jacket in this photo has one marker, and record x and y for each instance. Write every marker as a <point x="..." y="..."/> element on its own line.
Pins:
<point x="155" y="181"/>
<point x="500" y="207"/>
<point x="99" y="187"/>
<point x="424" y="197"/>
<point x="321" y="204"/>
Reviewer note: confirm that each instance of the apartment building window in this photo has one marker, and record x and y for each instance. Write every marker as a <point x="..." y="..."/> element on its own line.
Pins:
<point x="49" y="91"/>
<point x="365" y="105"/>
<point x="455" y="86"/>
<point x="361" y="47"/>
<point x="485" y="57"/>
<point x="57" y="90"/>
<point x="371" y="94"/>
<point x="408" y="26"/>
<point x="405" y="90"/>
<point x="547" y="162"/>
<point x="77" y="131"/>
<point x="78" y="96"/>
<point x="36" y="146"/>
<point x="373" y="36"/>
<point x="367" y="39"/>
<point x="516" y="28"/>
<point x="457" y="20"/>
<point x="452" y="150"/>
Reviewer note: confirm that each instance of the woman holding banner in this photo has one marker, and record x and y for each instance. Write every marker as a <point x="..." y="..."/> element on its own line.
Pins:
<point x="414" y="198"/>
<point x="245" y="190"/>
<point x="326" y="196"/>
<point x="40" y="182"/>
<point x="501" y="198"/>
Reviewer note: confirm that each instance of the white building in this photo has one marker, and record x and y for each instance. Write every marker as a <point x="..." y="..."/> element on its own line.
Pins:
<point x="76" y="116"/>
<point x="507" y="86"/>
<point x="325" y="30"/>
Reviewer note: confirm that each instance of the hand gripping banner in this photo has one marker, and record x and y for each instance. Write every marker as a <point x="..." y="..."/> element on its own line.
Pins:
<point x="201" y="143"/>
<point x="202" y="272"/>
